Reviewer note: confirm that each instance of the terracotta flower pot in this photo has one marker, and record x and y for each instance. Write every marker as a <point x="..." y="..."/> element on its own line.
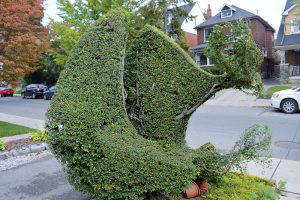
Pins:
<point x="192" y="191"/>
<point x="203" y="187"/>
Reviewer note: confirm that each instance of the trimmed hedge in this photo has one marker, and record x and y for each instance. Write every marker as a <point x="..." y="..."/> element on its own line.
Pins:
<point x="163" y="81"/>
<point x="90" y="133"/>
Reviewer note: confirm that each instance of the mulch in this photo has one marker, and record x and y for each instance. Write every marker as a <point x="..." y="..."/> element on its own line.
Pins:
<point x="17" y="144"/>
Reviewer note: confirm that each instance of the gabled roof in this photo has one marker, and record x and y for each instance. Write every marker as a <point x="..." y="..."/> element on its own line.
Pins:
<point x="237" y="14"/>
<point x="186" y="8"/>
<point x="289" y="3"/>
<point x="286" y="40"/>
<point x="226" y="5"/>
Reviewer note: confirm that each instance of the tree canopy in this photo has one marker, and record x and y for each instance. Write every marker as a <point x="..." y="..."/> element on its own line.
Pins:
<point x="23" y="38"/>
<point x="78" y="15"/>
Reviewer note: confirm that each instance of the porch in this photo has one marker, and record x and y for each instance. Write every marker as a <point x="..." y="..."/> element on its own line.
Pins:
<point x="289" y="68"/>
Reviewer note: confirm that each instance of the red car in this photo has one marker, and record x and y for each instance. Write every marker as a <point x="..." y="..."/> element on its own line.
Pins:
<point x="6" y="91"/>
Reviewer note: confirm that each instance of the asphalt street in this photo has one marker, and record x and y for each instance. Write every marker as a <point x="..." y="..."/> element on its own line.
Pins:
<point x="221" y="125"/>
<point x="31" y="108"/>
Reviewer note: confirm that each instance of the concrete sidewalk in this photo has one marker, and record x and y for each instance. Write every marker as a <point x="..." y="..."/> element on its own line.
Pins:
<point x="280" y="170"/>
<point x="236" y="98"/>
<point x="24" y="121"/>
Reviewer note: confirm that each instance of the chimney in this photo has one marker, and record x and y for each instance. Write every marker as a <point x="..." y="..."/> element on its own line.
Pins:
<point x="209" y="12"/>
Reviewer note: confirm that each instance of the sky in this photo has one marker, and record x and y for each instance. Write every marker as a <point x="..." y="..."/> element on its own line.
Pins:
<point x="269" y="10"/>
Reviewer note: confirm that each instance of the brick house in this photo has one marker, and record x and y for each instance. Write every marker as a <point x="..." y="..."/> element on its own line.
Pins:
<point x="263" y="35"/>
<point x="187" y="24"/>
<point x="288" y="41"/>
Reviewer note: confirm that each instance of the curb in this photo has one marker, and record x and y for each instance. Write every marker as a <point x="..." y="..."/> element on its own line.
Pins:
<point x="34" y="148"/>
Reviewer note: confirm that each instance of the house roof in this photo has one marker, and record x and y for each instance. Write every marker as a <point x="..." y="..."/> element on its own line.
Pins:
<point x="186" y="8"/>
<point x="289" y="3"/>
<point x="286" y="40"/>
<point x="200" y="46"/>
<point x="237" y="14"/>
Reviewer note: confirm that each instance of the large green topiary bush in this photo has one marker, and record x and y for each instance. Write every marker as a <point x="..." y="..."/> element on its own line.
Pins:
<point x="91" y="134"/>
<point x="123" y="138"/>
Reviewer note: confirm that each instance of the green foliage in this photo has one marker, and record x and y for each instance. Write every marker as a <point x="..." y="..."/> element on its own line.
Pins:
<point x="39" y="136"/>
<point x="252" y="146"/>
<point x="265" y="193"/>
<point x="164" y="86"/>
<point x="2" y="145"/>
<point x="269" y="92"/>
<point x="77" y="17"/>
<point x="282" y="185"/>
<point x="235" y="186"/>
<point x="278" y="88"/>
<point x="88" y="123"/>
<point x="89" y="130"/>
<point x="237" y="55"/>
<point x="48" y="73"/>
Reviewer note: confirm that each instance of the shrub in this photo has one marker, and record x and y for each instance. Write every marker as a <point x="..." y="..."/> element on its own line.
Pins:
<point x="165" y="86"/>
<point x="89" y="130"/>
<point x="265" y="193"/>
<point x="39" y="136"/>
<point x="104" y="153"/>
<point x="252" y="146"/>
<point x="2" y="145"/>
<point x="237" y="55"/>
<point x="235" y="186"/>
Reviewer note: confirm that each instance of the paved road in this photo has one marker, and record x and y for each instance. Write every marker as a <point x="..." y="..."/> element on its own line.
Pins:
<point x="223" y="126"/>
<point x="31" y="108"/>
<point x="39" y="180"/>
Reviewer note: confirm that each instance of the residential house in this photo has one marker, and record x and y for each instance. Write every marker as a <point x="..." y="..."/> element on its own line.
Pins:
<point x="263" y="35"/>
<point x="288" y="41"/>
<point x="187" y="24"/>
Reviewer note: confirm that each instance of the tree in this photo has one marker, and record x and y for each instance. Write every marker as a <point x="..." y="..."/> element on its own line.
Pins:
<point x="48" y="72"/>
<point x="78" y="15"/>
<point x="23" y="38"/>
<point x="119" y="127"/>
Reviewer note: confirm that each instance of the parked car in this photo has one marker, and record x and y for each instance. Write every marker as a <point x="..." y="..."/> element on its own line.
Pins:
<point x="34" y="91"/>
<point x="6" y="91"/>
<point x="287" y="100"/>
<point x="49" y="93"/>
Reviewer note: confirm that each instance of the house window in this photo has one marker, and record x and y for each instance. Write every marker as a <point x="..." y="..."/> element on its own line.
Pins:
<point x="295" y="26"/>
<point x="203" y="60"/>
<point x="207" y="32"/>
<point x="226" y="13"/>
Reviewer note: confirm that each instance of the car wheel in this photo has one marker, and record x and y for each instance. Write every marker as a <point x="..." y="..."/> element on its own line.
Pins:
<point x="289" y="106"/>
<point x="23" y="96"/>
<point x="33" y="96"/>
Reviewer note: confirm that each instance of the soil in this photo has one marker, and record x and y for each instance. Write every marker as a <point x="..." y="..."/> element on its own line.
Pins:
<point x="17" y="144"/>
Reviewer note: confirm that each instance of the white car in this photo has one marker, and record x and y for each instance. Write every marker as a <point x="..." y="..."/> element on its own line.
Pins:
<point x="287" y="100"/>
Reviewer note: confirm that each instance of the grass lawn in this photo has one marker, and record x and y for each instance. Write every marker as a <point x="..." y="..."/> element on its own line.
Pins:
<point x="274" y="89"/>
<point x="19" y="91"/>
<point x="8" y="129"/>
<point x="267" y="94"/>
